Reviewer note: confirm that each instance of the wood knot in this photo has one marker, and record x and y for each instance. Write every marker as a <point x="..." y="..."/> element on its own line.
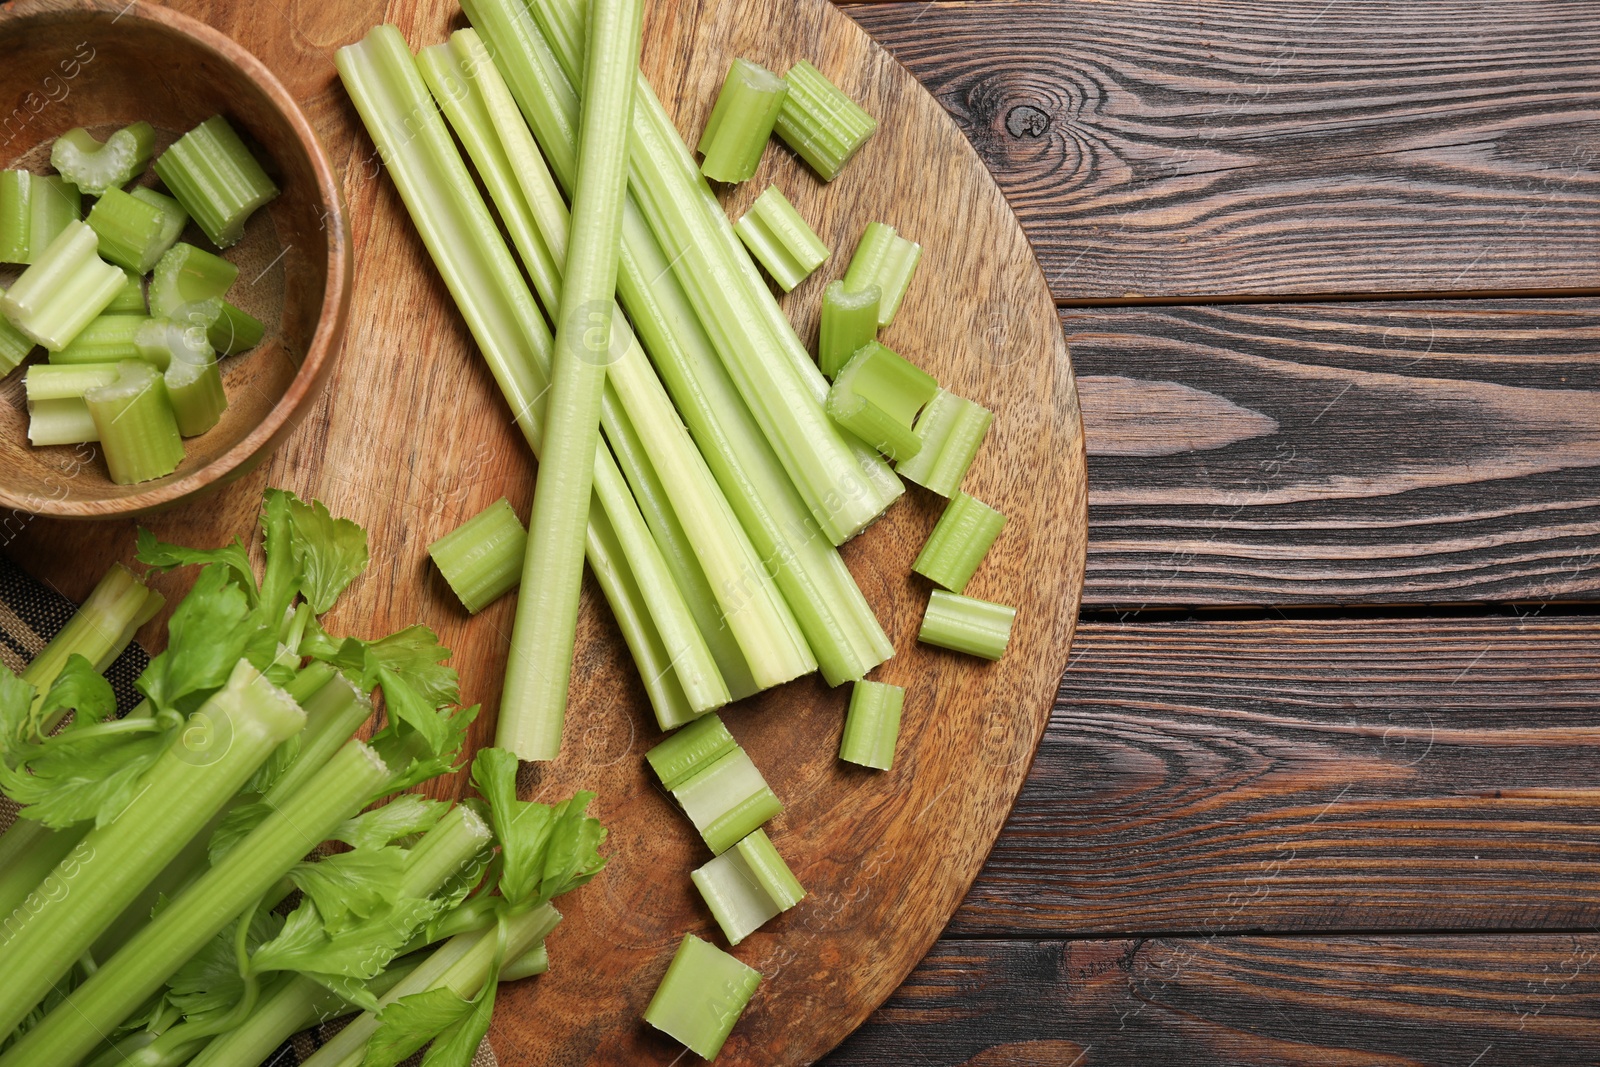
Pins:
<point x="1025" y="120"/>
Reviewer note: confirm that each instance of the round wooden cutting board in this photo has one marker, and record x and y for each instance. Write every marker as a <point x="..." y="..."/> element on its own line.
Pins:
<point x="411" y="438"/>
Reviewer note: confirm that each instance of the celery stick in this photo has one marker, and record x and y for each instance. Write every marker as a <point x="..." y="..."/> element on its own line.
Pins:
<point x="130" y="299"/>
<point x="747" y="885"/>
<point x="46" y="382"/>
<point x="690" y="750"/>
<point x="534" y="703"/>
<point x="54" y="203"/>
<point x="877" y="396"/>
<point x="482" y="558"/>
<point x="97" y="168"/>
<point x="824" y="126"/>
<point x="194" y="388"/>
<point x="133" y="232"/>
<point x="887" y="260"/>
<point x="60" y="422"/>
<point x="741" y="122"/>
<point x="960" y="540"/>
<point x="216" y="179"/>
<point x="849" y="320"/>
<point x="727" y="800"/>
<point x="234" y="331"/>
<point x="237" y="881"/>
<point x="528" y="965"/>
<point x="15" y="346"/>
<point x="701" y="997"/>
<point x="963" y="624"/>
<point x="333" y="713"/>
<point x="780" y="240"/>
<point x="161" y="342"/>
<point x="834" y="616"/>
<point x="67" y="286"/>
<point x="872" y="725"/>
<point x="16" y="215"/>
<point x="465" y="244"/>
<point x="138" y="429"/>
<point x="107" y="338"/>
<point x="184" y="788"/>
<point x="187" y="275"/>
<point x="951" y="428"/>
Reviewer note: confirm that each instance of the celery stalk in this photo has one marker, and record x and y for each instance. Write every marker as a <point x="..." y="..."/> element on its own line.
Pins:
<point x="481" y="559"/>
<point x="234" y="331"/>
<point x="464" y="242"/>
<point x="238" y="880"/>
<point x="16" y="215"/>
<point x="130" y="298"/>
<point x="161" y="342"/>
<point x="529" y="964"/>
<point x="741" y="122"/>
<point x="960" y="540"/>
<point x="887" y="260"/>
<point x="727" y="800"/>
<point x="849" y="320"/>
<point x="877" y="397"/>
<point x="107" y="338"/>
<point x="55" y="202"/>
<point x="98" y="169"/>
<point x="15" y="346"/>
<point x="872" y="725"/>
<point x="60" y="422"/>
<point x="137" y="426"/>
<point x="747" y="885"/>
<point x="824" y="126"/>
<point x="690" y="750"/>
<point x="950" y="428"/>
<point x="134" y="233"/>
<point x="46" y="382"/>
<point x="186" y="275"/>
<point x="67" y="285"/>
<point x="963" y="624"/>
<point x="231" y="735"/>
<point x="216" y="179"/>
<point x="701" y="997"/>
<point x="538" y="670"/>
<point x="194" y="388"/>
<point x="780" y="240"/>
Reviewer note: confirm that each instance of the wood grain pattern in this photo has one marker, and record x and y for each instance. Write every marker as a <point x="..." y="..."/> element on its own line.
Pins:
<point x="1183" y="149"/>
<point x="1338" y="775"/>
<point x="1375" y="453"/>
<point x="1383" y="1001"/>
<point x="411" y="438"/>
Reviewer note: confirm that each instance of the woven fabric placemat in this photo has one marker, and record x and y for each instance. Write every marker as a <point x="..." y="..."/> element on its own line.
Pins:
<point x="31" y="613"/>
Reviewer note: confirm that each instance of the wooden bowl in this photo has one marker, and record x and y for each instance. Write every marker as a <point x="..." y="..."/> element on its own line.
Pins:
<point x="101" y="65"/>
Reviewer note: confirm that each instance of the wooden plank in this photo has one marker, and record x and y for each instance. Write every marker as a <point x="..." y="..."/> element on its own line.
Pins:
<point x="1341" y="453"/>
<point x="1469" y="1001"/>
<point x="1335" y="775"/>
<point x="1214" y="148"/>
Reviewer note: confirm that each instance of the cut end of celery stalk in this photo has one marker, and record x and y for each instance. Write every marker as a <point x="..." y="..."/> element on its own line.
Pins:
<point x="188" y="275"/>
<point x="965" y="624"/>
<point x="747" y="885"/>
<point x="877" y="397"/>
<point x="133" y="233"/>
<point x="704" y="992"/>
<point x="872" y="725"/>
<point x="216" y="179"/>
<point x="959" y="542"/>
<point x="741" y="122"/>
<point x="824" y="126"/>
<point x="138" y="429"/>
<point x="951" y="429"/>
<point x="887" y="260"/>
<point x="194" y="387"/>
<point x="787" y="248"/>
<point x="97" y="168"/>
<point x="66" y="286"/>
<point x="482" y="558"/>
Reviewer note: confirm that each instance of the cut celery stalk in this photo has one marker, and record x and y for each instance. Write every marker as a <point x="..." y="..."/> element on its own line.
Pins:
<point x="727" y="800"/>
<point x="15" y="346"/>
<point x="234" y="331"/>
<point x="161" y="341"/>
<point x="746" y="886"/>
<point x="46" y="382"/>
<point x="137" y="427"/>
<point x="528" y="965"/>
<point x="481" y="559"/>
<point x="97" y="168"/>
<point x="216" y="179"/>
<point x="887" y="260"/>
<point x="877" y="397"/>
<point x="849" y="320"/>
<point x="188" y="275"/>
<point x="465" y="244"/>
<point x="16" y="215"/>
<point x="133" y="234"/>
<point x="872" y="725"/>
<point x="964" y="624"/>
<point x="951" y="428"/>
<point x="960" y="540"/>
<point x="54" y="204"/>
<point x="690" y="750"/>
<point x="780" y="240"/>
<point x="171" y="210"/>
<point x="60" y="422"/>
<point x="194" y="388"/>
<point x="108" y="338"/>
<point x="66" y="287"/>
<point x="130" y="300"/>
<point x="824" y="126"/>
<point x="741" y="122"/>
<point x="701" y="997"/>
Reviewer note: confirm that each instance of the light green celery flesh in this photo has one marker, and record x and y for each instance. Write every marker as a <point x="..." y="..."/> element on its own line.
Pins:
<point x="727" y="800"/>
<point x="15" y="346"/>
<point x="184" y="787"/>
<point x="690" y="750"/>
<point x="845" y="485"/>
<point x="848" y="321"/>
<point x="33" y="850"/>
<point x="174" y="218"/>
<point x="234" y="331"/>
<point x="959" y="542"/>
<point x="60" y="422"/>
<point x="97" y="168"/>
<point x="780" y="240"/>
<point x="965" y="624"/>
<point x="195" y="391"/>
<point x="833" y="615"/>
<point x="238" y="880"/>
<point x="482" y="558"/>
<point x="747" y="885"/>
<point x="108" y="338"/>
<point x="872" y="726"/>
<point x="951" y="428"/>
<point x="762" y="857"/>
<point x="465" y="245"/>
<point x="216" y="179"/>
<point x="333" y="713"/>
<point x="528" y="965"/>
<point x="823" y="125"/>
<point x="133" y="233"/>
<point x="46" y="382"/>
<point x="701" y="997"/>
<point x="741" y="122"/>
<point x="186" y="275"/>
<point x="129" y="299"/>
<point x="65" y="287"/>
<point x="137" y="427"/>
<point x="16" y="215"/>
<point x="54" y="204"/>
<point x="887" y="260"/>
<point x="877" y="396"/>
<point x="461" y="965"/>
<point x="751" y="630"/>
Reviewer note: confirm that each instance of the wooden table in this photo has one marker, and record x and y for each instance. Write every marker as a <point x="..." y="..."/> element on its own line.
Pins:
<point x="1320" y="786"/>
